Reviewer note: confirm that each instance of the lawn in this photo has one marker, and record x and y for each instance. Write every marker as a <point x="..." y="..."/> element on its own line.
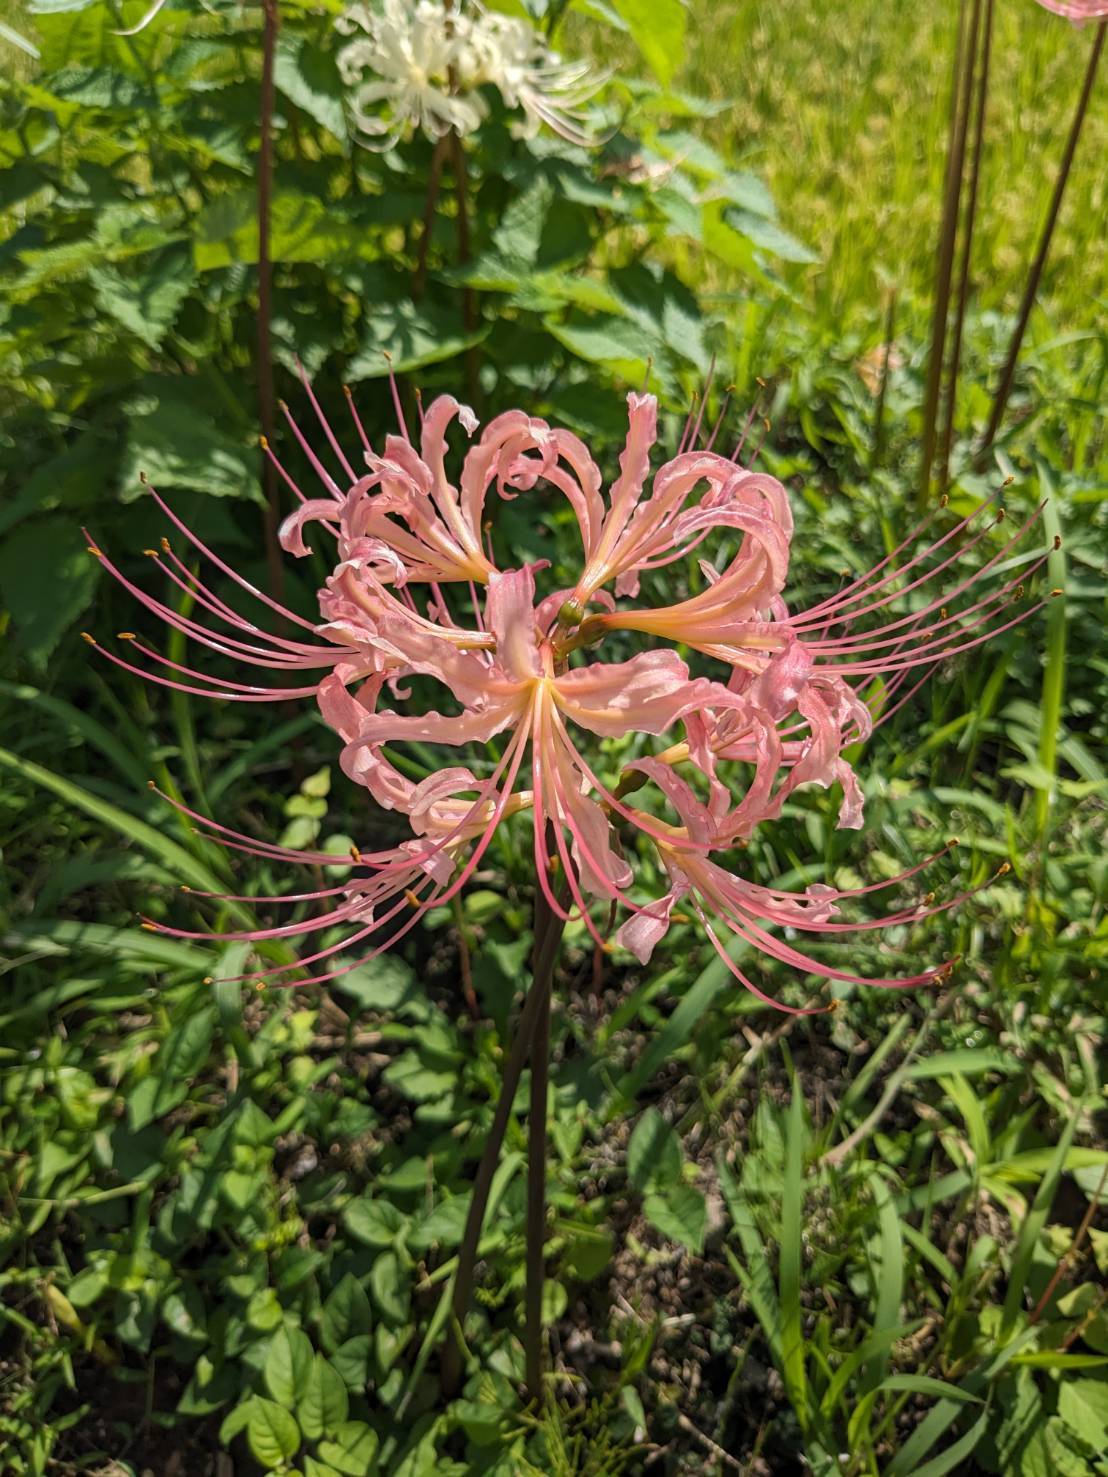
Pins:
<point x="233" y="1198"/>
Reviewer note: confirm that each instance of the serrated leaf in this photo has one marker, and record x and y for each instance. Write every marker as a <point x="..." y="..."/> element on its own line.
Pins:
<point x="179" y="439"/>
<point x="47" y="578"/>
<point x="146" y="299"/>
<point x="308" y="76"/>
<point x="414" y="335"/>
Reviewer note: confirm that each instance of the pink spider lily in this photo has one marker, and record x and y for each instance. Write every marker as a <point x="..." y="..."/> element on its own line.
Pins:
<point x="521" y="672"/>
<point x="1077" y="10"/>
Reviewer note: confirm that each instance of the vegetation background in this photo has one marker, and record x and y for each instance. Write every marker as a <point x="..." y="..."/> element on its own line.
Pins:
<point x="865" y="1244"/>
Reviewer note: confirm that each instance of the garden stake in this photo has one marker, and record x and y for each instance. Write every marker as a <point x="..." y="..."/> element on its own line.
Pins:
<point x="1007" y="374"/>
<point x="952" y="196"/>
<point x="954" y="368"/>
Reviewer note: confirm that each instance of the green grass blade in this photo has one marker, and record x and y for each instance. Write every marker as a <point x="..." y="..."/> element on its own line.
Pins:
<point x="793" y="1368"/>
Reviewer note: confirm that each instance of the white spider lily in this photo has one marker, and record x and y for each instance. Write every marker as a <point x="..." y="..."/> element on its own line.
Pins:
<point x="421" y="66"/>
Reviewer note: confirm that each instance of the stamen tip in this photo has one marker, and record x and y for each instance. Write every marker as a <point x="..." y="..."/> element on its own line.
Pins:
<point x="144" y="479"/>
<point x="1004" y="869"/>
<point x="1055" y="593"/>
<point x="954" y="841"/>
<point x="152" y="553"/>
<point x="260" y="986"/>
<point x="149" y="927"/>
<point x="151" y="784"/>
<point x="263" y="442"/>
<point x="348" y="392"/>
<point x="97" y="553"/>
<point x="86" y="637"/>
<point x="165" y="546"/>
<point x="125" y="635"/>
<point x="185" y="887"/>
<point x="208" y="979"/>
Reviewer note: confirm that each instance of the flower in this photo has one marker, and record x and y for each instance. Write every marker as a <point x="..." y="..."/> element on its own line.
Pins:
<point x="1077" y="10"/>
<point x="421" y="66"/>
<point x="418" y="590"/>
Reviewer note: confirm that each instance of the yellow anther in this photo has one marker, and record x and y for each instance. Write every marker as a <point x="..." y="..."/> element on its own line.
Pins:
<point x="1001" y="514"/>
<point x="95" y="551"/>
<point x="152" y="553"/>
<point x="144" y="479"/>
<point x="125" y="635"/>
<point x="151" y="785"/>
<point x="411" y="898"/>
<point x="165" y="546"/>
<point x="929" y="899"/>
<point x="150" y="927"/>
<point x="348" y="392"/>
<point x="263" y="442"/>
<point x="942" y="611"/>
<point x="1004" y="869"/>
<point x="260" y="986"/>
<point x="1055" y="593"/>
<point x="1007" y="482"/>
<point x="185" y="887"/>
<point x="283" y="406"/>
<point x="1020" y="592"/>
<point x="944" y="500"/>
<point x="208" y="979"/>
<point x="86" y="637"/>
<point x="355" y="855"/>
<point x="953" y="841"/>
<point x="767" y="425"/>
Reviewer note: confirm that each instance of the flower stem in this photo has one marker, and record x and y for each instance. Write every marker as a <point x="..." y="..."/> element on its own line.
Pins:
<point x="548" y="936"/>
<point x="951" y="390"/>
<point x="434" y="179"/>
<point x="1004" y="389"/>
<point x="266" y="397"/>
<point x="536" y="1196"/>
<point x="952" y="197"/>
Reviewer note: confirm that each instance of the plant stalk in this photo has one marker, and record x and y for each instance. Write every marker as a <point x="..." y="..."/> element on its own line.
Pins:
<point x="1008" y="373"/>
<point x="548" y="936"/>
<point x="948" y="230"/>
<point x="266" y="396"/>
<point x="536" y="1195"/>
<point x="950" y="400"/>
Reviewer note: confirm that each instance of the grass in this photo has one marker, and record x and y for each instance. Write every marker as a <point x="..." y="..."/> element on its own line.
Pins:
<point x="844" y="109"/>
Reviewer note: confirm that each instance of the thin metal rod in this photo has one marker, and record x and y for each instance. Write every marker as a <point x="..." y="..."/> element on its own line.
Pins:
<point x="952" y="194"/>
<point x="1004" y="388"/>
<point x="950" y="401"/>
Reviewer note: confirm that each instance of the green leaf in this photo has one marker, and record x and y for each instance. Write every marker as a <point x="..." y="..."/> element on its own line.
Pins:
<point x="324" y="1403"/>
<point x="658" y="29"/>
<point x="391" y="1288"/>
<point x="681" y="1213"/>
<point x="308" y="76"/>
<point x="923" y="1384"/>
<point x="1083" y="1405"/>
<point x="346" y="1313"/>
<point x="47" y="577"/>
<point x="351" y="1450"/>
<point x="413" y="335"/>
<point x="287" y="1362"/>
<point x="653" y="1153"/>
<point x="375" y="1222"/>
<point x="768" y="236"/>
<point x="953" y="1458"/>
<point x="146" y="299"/>
<point x="271" y="1433"/>
<point x="444" y="1226"/>
<point x="303" y="228"/>
<point x="178" y="437"/>
<point x="793" y="1347"/>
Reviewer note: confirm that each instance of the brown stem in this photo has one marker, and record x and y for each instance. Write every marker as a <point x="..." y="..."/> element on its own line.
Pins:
<point x="434" y="179"/>
<point x="954" y="367"/>
<point x="952" y="194"/>
<point x="536" y="1198"/>
<point x="1074" y="1247"/>
<point x="548" y="935"/>
<point x="469" y="302"/>
<point x="1004" y="389"/>
<point x="879" y="412"/>
<point x="266" y="396"/>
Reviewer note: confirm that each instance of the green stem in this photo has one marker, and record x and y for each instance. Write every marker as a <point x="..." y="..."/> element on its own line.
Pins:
<point x="1007" y="375"/>
<point x="266" y="395"/>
